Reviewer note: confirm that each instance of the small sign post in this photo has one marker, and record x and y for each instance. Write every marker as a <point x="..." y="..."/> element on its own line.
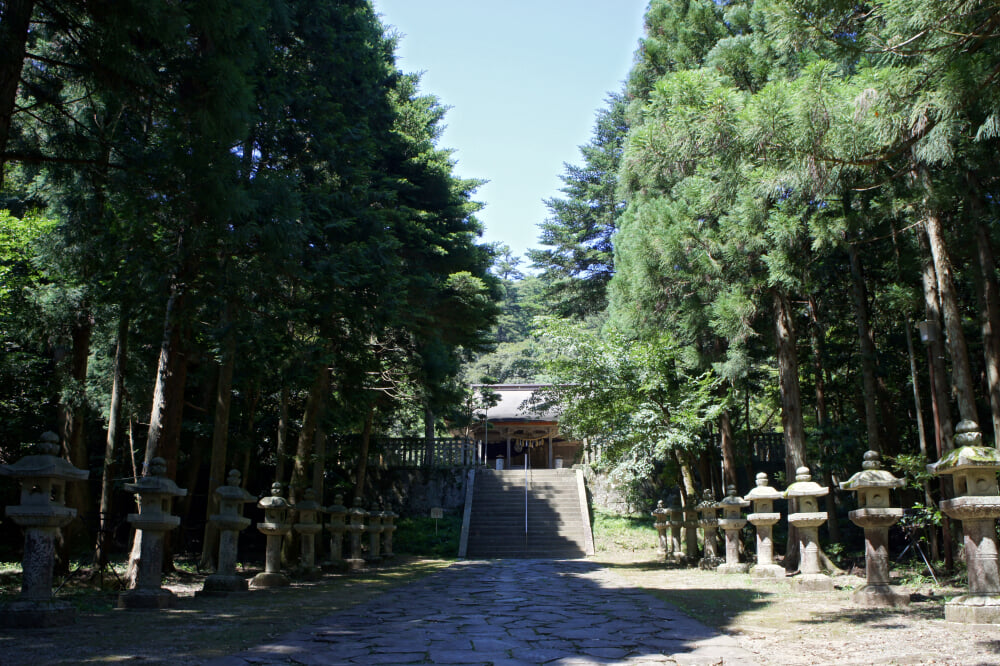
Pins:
<point x="436" y="513"/>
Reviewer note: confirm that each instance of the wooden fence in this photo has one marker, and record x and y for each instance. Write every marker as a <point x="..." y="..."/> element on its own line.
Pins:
<point x="412" y="452"/>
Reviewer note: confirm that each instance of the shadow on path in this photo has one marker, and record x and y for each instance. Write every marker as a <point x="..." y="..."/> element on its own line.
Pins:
<point x="502" y="612"/>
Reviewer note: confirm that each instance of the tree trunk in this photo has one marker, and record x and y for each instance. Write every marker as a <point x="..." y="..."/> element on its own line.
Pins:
<point x="220" y="444"/>
<point x="362" y="471"/>
<point x="429" y="437"/>
<point x="961" y="373"/>
<point x="15" y="21"/>
<point x="867" y="346"/>
<point x="71" y="424"/>
<point x="990" y="322"/>
<point x="788" y="380"/>
<point x="944" y="428"/>
<point x="163" y="439"/>
<point x="111" y="444"/>
<point x="281" y="449"/>
<point x="728" y="449"/>
<point x="313" y="412"/>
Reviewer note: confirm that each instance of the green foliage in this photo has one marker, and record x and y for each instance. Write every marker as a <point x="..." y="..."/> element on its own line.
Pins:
<point x="635" y="398"/>
<point x="426" y="537"/>
<point x="618" y="532"/>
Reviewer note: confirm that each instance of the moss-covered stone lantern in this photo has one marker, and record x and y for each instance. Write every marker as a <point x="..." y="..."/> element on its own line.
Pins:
<point x="336" y="526"/>
<point x="307" y="527"/>
<point x="973" y="468"/>
<point x="764" y="517"/>
<point x="43" y="476"/>
<point x="676" y="548"/>
<point x="155" y="494"/>
<point x="374" y="530"/>
<point x="229" y="521"/>
<point x="731" y="523"/>
<point x="807" y="519"/>
<point x="388" y="527"/>
<point x="355" y="528"/>
<point x="875" y="516"/>
<point x="660" y="518"/>
<point x="708" y="519"/>
<point x="274" y="526"/>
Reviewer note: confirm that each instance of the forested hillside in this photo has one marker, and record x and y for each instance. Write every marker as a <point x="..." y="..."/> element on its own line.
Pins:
<point x="229" y="232"/>
<point x="801" y="185"/>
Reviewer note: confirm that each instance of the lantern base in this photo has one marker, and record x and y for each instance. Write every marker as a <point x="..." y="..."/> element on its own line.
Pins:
<point x="31" y="614"/>
<point x="769" y="571"/>
<point x="815" y="582"/>
<point x="710" y="563"/>
<point x="146" y="599"/>
<point x="265" y="579"/>
<point x="880" y="596"/>
<point x="973" y="609"/>
<point x="220" y="585"/>
<point x="738" y="568"/>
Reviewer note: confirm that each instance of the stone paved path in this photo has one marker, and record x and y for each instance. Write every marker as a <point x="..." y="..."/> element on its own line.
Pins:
<point x="505" y="612"/>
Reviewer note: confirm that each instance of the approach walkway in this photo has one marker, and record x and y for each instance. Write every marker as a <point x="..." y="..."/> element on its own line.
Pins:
<point x="505" y="612"/>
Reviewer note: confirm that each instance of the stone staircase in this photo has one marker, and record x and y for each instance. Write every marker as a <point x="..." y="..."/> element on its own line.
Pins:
<point x="558" y="526"/>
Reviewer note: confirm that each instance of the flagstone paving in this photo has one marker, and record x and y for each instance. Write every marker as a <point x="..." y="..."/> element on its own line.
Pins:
<point x="505" y="613"/>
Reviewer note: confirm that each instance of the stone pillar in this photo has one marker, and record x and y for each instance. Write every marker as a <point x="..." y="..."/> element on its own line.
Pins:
<point x="763" y="518"/>
<point x="374" y="530"/>
<point x="807" y="520"/>
<point x="660" y="516"/>
<point x="274" y="526"/>
<point x="229" y="521"/>
<point x="731" y="523"/>
<point x="388" y="516"/>
<point x="356" y="527"/>
<point x="691" y="554"/>
<point x="337" y="512"/>
<point x="41" y="513"/>
<point x="307" y="527"/>
<point x="973" y="468"/>
<point x="874" y="515"/>
<point x="676" y="523"/>
<point x="709" y="522"/>
<point x="155" y="494"/>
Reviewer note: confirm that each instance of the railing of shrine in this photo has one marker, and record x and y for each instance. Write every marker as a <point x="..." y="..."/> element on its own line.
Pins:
<point x="413" y="452"/>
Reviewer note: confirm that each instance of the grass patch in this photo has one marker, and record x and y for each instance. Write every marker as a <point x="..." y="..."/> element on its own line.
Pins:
<point x="422" y="536"/>
<point x="615" y="532"/>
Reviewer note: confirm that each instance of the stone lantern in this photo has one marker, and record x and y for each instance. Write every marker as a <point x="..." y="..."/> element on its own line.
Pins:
<point x="374" y="530"/>
<point x="229" y="521"/>
<point x="660" y="517"/>
<point x="307" y="526"/>
<point x="42" y="511"/>
<point x="875" y="516"/>
<point x="691" y="531"/>
<point x="355" y="528"/>
<point x="708" y="511"/>
<point x="337" y="512"/>
<point x="807" y="519"/>
<point x="973" y="469"/>
<point x="274" y="526"/>
<point x="731" y="523"/>
<point x="676" y="549"/>
<point x="388" y="516"/>
<point x="155" y="494"/>
<point x="763" y="518"/>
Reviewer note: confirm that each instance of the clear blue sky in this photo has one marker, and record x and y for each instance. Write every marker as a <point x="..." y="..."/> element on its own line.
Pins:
<point x="524" y="80"/>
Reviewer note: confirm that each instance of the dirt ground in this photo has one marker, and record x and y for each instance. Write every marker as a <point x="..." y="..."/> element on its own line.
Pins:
<point x="783" y="627"/>
<point x="777" y="625"/>
<point x="199" y="628"/>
